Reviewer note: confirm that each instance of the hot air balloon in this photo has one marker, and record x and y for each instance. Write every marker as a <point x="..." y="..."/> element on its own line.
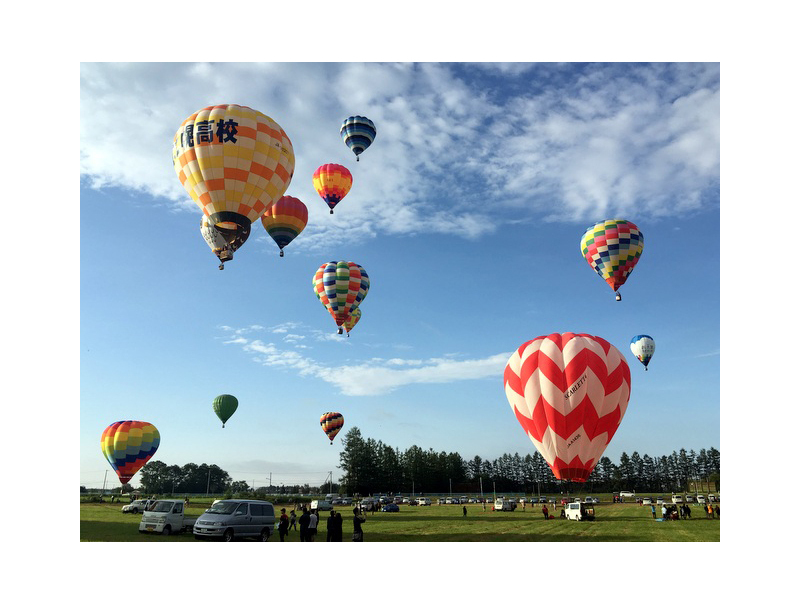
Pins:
<point x="223" y="242"/>
<point x="284" y="220"/>
<point x="332" y="182"/>
<point x="643" y="347"/>
<point x="235" y="162"/>
<point x="352" y="320"/>
<point x="225" y="405"/>
<point x="612" y="248"/>
<point x="341" y="287"/>
<point x="358" y="132"/>
<point x="569" y="392"/>
<point x="331" y="423"/>
<point x="128" y="445"/>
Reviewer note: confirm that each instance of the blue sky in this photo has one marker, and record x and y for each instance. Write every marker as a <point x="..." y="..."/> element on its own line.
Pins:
<point x="466" y="212"/>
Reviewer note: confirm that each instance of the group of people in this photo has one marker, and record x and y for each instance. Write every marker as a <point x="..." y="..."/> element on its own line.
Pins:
<point x="683" y="511"/>
<point x="309" y="521"/>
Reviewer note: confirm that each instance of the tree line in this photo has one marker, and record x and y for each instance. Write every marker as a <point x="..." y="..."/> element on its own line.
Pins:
<point x="371" y="466"/>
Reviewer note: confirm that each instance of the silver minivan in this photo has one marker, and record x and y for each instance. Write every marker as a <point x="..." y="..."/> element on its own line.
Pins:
<point x="236" y="518"/>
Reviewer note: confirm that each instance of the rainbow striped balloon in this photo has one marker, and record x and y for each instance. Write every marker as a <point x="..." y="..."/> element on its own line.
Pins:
<point x="284" y="220"/>
<point x="332" y="423"/>
<point x="128" y="445"/>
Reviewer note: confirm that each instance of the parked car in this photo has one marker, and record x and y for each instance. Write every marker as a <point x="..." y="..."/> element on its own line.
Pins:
<point x="595" y="500"/>
<point x="689" y="498"/>
<point x="504" y="505"/>
<point x="647" y="500"/>
<point x="713" y="498"/>
<point x="588" y="499"/>
<point x="321" y="505"/>
<point x="236" y="518"/>
<point x="677" y="499"/>
<point x="660" y="500"/>
<point x="543" y="499"/>
<point x="137" y="506"/>
<point x="701" y="499"/>
<point x="423" y="501"/>
<point x="406" y="500"/>
<point x="390" y="508"/>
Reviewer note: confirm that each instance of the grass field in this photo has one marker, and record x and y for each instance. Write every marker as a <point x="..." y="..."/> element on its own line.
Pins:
<point x="629" y="522"/>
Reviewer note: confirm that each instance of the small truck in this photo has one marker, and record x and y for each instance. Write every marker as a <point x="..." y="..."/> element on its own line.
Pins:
<point x="166" y="517"/>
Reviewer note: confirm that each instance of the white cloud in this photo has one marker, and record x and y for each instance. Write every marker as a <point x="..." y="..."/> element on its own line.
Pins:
<point x="459" y="149"/>
<point x="374" y="376"/>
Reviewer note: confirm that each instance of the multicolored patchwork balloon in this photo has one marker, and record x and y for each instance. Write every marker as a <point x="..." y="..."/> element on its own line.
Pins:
<point x="234" y="162"/>
<point x="284" y="220"/>
<point x="341" y="287"/>
<point x="332" y="181"/>
<point x="358" y="132"/>
<point x="352" y="320"/>
<point x="128" y="445"/>
<point x="613" y="248"/>
<point x="332" y="423"/>
<point x="224" y="406"/>
<point x="643" y="347"/>
<point x="569" y="392"/>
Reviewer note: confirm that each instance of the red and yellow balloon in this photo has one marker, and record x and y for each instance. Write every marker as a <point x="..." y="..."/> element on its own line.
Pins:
<point x="128" y="445"/>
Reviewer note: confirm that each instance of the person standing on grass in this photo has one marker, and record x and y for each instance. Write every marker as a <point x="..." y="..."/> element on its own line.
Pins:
<point x="663" y="511"/>
<point x="313" y="519"/>
<point x="292" y="520"/>
<point x="653" y="510"/>
<point x="545" y="512"/>
<point x="717" y="511"/>
<point x="358" y="519"/>
<point x="283" y="525"/>
<point x="304" y="520"/>
<point x="465" y="510"/>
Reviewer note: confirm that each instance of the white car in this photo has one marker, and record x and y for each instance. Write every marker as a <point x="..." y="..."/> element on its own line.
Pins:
<point x="425" y="502"/>
<point x="137" y="506"/>
<point x="677" y="499"/>
<point x="701" y="499"/>
<point x="647" y="500"/>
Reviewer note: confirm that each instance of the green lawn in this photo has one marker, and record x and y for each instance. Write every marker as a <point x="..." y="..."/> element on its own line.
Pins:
<point x="628" y="522"/>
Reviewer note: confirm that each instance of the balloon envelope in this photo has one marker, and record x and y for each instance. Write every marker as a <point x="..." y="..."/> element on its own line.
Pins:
<point x="341" y="287"/>
<point x="234" y="162"/>
<point x="284" y="220"/>
<point x="569" y="392"/>
<point x="643" y="347"/>
<point x="612" y="248"/>
<point x="358" y="132"/>
<point x="332" y="181"/>
<point x="332" y="423"/>
<point x="224" y="406"/>
<point x="128" y="445"/>
<point x="352" y="320"/>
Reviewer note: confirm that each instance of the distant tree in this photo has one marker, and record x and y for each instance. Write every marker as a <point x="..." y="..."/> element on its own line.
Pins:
<point x="240" y="486"/>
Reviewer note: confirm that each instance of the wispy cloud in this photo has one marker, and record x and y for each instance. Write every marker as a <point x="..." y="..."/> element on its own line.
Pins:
<point x="374" y="376"/>
<point x="460" y="148"/>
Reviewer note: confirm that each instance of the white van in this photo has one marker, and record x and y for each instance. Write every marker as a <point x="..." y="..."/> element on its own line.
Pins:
<point x="701" y="499"/>
<point x="236" y="518"/>
<point x="321" y="505"/>
<point x="579" y="511"/>
<point x="677" y="499"/>
<point x="504" y="505"/>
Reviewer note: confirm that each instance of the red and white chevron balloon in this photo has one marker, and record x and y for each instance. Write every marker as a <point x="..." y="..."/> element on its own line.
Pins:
<point x="569" y="392"/>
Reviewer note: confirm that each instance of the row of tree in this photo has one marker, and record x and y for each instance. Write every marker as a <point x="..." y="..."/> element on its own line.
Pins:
<point x="371" y="466"/>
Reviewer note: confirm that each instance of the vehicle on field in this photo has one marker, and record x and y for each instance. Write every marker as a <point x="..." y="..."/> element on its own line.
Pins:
<point x="423" y="501"/>
<point x="543" y="499"/>
<point x="368" y="504"/>
<point x="137" y="506"/>
<point x="677" y="499"/>
<point x="390" y="508"/>
<point x="473" y="500"/>
<point x="701" y="499"/>
<point x="626" y="494"/>
<point x="165" y="517"/>
<point x="463" y="500"/>
<point x="588" y="499"/>
<point x="647" y="500"/>
<point x="236" y="518"/>
<point x="406" y="500"/>
<point x="502" y="504"/>
<point x="347" y="501"/>
<point x="448" y="500"/>
<point x="595" y="500"/>
<point x="580" y="511"/>
<point x="713" y="498"/>
<point x="321" y="505"/>
<point x="336" y="501"/>
<point x="660" y="500"/>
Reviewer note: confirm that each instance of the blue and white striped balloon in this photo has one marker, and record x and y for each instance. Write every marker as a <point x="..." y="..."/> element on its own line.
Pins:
<point x="358" y="132"/>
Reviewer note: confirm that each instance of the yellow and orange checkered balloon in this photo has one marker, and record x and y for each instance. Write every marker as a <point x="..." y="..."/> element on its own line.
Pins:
<point x="234" y="162"/>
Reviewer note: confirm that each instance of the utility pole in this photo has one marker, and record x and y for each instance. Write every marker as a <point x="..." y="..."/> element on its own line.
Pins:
<point x="208" y="483"/>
